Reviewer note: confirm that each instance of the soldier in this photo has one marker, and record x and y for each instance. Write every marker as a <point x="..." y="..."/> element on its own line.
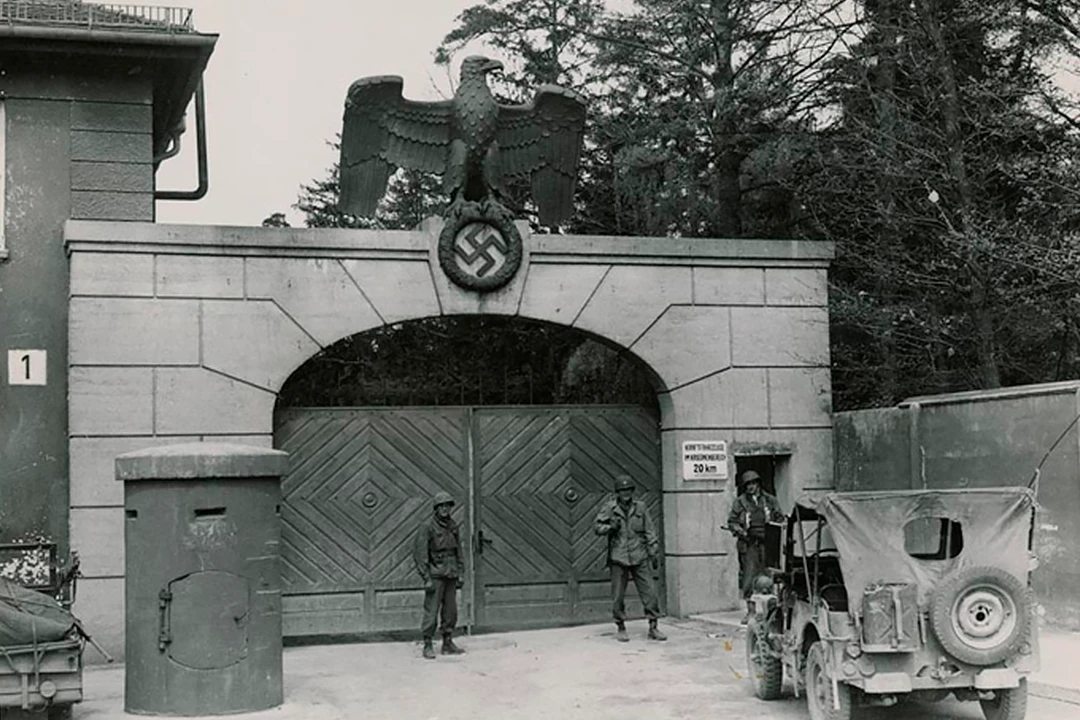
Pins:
<point x="750" y="514"/>
<point x="631" y="539"/>
<point x="437" y="554"/>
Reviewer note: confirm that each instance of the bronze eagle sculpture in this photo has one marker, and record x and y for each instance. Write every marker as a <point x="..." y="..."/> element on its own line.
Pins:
<point x="472" y="140"/>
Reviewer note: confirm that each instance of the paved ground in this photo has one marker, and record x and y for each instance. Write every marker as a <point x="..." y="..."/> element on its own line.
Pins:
<point x="572" y="673"/>
<point x="1059" y="653"/>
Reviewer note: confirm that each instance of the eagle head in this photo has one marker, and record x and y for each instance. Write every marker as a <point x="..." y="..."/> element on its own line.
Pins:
<point x="478" y="66"/>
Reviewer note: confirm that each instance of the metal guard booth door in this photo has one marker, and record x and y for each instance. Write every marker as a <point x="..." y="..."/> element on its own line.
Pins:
<point x="527" y="481"/>
<point x="206" y="619"/>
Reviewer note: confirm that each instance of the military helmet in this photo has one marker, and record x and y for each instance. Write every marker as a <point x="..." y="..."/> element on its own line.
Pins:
<point x="749" y="477"/>
<point x="441" y="498"/>
<point x="623" y="482"/>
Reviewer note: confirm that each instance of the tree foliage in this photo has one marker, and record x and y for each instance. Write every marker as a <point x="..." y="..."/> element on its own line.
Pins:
<point x="543" y="41"/>
<point x="410" y="197"/>
<point x="470" y="360"/>
<point x="689" y="101"/>
<point x="929" y="140"/>
<point x="704" y="96"/>
<point x="275" y="220"/>
<point x="947" y="182"/>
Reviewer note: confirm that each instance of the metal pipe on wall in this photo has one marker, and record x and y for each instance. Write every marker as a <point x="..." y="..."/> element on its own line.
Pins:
<point x="200" y="140"/>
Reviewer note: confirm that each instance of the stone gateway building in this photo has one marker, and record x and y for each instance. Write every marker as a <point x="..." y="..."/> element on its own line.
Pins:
<point x="157" y="334"/>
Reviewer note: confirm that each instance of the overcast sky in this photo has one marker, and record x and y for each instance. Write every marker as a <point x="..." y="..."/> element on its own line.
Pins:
<point x="275" y="92"/>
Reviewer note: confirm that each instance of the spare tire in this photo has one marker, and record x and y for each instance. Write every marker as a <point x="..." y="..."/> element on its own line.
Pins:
<point x="981" y="615"/>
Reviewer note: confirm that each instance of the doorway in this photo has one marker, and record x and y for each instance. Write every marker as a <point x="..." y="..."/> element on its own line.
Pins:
<point x="773" y="472"/>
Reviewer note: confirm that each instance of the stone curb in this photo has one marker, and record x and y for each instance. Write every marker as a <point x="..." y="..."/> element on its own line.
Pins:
<point x="1054" y="692"/>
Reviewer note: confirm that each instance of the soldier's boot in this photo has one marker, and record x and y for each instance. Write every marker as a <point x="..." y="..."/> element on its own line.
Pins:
<point x="654" y="632"/>
<point x="620" y="633"/>
<point x="449" y="648"/>
<point x="429" y="649"/>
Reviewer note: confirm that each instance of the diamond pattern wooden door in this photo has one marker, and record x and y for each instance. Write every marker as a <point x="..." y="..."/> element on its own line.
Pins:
<point x="360" y="482"/>
<point x="541" y="475"/>
<point x="606" y="443"/>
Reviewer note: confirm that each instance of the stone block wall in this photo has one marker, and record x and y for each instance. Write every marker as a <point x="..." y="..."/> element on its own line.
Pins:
<point x="753" y="372"/>
<point x="187" y="333"/>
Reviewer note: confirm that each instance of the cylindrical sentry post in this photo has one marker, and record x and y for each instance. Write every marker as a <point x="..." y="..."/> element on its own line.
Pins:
<point x="202" y="587"/>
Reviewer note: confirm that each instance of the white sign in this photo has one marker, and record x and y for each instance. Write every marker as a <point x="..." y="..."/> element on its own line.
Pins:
<point x="703" y="460"/>
<point x="26" y="367"/>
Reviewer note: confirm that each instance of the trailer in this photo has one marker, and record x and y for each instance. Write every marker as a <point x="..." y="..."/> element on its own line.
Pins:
<point x="41" y="642"/>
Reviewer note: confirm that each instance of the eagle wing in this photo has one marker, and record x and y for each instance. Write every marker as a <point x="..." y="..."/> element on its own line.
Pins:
<point x="542" y="141"/>
<point x="381" y="131"/>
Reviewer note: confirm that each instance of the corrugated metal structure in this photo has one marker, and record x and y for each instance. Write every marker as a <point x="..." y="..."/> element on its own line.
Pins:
<point x="983" y="439"/>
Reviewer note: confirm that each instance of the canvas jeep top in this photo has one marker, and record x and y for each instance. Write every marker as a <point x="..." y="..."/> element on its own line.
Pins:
<point x="890" y="595"/>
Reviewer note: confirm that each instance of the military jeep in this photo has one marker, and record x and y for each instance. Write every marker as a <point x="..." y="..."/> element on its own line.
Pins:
<point x="884" y="597"/>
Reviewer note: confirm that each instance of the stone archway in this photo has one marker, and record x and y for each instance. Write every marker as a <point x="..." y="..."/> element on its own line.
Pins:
<point x="183" y="332"/>
<point x="462" y="360"/>
<point x="493" y="410"/>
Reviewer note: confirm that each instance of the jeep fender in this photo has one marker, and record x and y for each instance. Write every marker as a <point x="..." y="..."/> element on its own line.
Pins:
<point x="809" y="633"/>
<point x="804" y="626"/>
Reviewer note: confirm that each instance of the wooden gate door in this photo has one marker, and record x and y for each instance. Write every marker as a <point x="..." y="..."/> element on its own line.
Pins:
<point x="541" y="474"/>
<point x="359" y="484"/>
<point x="528" y="483"/>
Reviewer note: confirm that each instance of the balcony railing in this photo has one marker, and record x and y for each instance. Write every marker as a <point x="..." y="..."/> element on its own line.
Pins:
<point x="97" y="15"/>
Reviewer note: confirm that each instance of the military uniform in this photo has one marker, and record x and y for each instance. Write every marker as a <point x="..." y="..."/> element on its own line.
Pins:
<point x="750" y="515"/>
<point x="438" y="560"/>
<point x="632" y="540"/>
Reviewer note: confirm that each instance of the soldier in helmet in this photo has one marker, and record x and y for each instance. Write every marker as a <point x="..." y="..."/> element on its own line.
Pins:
<point x="437" y="554"/>
<point x="632" y="540"/>
<point x="750" y="514"/>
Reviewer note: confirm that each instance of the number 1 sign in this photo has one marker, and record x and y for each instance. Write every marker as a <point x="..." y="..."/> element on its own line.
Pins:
<point x="26" y="367"/>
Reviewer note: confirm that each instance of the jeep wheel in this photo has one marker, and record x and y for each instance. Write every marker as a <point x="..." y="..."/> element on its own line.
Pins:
<point x="819" y="689"/>
<point x="981" y="615"/>
<point x="766" y="671"/>
<point x="1008" y="704"/>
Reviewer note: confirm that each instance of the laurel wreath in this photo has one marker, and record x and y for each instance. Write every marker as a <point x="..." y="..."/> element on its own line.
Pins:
<point x="489" y="213"/>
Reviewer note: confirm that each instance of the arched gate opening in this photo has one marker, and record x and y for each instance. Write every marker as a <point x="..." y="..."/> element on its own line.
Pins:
<point x="525" y="424"/>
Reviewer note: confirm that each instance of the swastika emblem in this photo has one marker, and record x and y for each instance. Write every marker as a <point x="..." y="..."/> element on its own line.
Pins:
<point x="480" y="253"/>
<point x="480" y="250"/>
